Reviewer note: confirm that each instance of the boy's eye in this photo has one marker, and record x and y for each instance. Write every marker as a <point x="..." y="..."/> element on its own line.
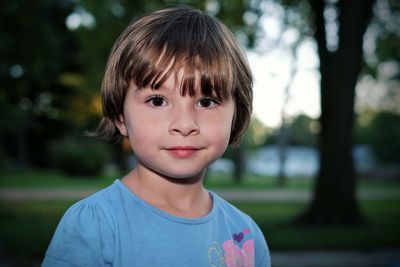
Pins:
<point x="207" y="103"/>
<point x="156" y="101"/>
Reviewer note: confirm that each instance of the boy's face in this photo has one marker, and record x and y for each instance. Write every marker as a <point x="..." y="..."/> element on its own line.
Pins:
<point x="173" y="135"/>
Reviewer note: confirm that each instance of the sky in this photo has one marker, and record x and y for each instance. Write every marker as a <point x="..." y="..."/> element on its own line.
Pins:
<point x="271" y="74"/>
<point x="271" y="69"/>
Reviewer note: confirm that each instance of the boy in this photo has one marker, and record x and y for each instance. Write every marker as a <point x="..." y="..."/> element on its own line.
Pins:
<point x="178" y="86"/>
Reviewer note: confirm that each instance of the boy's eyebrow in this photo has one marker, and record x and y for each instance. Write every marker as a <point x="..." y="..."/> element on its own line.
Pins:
<point x="162" y="87"/>
<point x="168" y="89"/>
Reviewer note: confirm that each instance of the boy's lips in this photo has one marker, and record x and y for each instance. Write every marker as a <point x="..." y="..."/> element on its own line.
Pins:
<point x="182" y="151"/>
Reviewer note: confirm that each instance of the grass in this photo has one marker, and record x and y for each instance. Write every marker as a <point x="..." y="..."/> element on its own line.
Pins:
<point x="26" y="228"/>
<point x="275" y="219"/>
<point x="31" y="179"/>
<point x="50" y="179"/>
<point x="55" y="179"/>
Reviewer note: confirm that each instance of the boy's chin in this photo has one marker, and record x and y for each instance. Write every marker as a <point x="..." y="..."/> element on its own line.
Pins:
<point x="185" y="178"/>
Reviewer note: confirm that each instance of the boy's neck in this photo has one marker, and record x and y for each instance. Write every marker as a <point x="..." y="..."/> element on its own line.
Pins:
<point x="183" y="198"/>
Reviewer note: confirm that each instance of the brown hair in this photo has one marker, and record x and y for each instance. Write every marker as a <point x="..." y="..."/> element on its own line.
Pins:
<point x="158" y="44"/>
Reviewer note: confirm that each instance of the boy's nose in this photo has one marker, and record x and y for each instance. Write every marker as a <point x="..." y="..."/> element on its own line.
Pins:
<point x="184" y="123"/>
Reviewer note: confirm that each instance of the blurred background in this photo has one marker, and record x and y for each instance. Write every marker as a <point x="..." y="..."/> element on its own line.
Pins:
<point x="318" y="169"/>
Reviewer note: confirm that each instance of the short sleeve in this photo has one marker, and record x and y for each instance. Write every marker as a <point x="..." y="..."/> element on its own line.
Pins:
<point x="84" y="237"/>
<point x="263" y="258"/>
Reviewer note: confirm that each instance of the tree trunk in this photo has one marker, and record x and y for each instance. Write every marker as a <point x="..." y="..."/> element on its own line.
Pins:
<point x="238" y="161"/>
<point x="284" y="130"/>
<point x="23" y="147"/>
<point x="334" y="198"/>
<point x="282" y="152"/>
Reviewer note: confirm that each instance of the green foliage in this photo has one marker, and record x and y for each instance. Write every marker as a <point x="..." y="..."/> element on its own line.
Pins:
<point x="386" y="34"/>
<point x="36" y="49"/>
<point x="78" y="156"/>
<point x="301" y="131"/>
<point x="255" y="135"/>
<point x="383" y="135"/>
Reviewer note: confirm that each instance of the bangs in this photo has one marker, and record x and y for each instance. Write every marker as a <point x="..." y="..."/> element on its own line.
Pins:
<point x="191" y="45"/>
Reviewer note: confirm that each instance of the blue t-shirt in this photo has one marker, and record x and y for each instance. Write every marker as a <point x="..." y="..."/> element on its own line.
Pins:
<point x="114" y="227"/>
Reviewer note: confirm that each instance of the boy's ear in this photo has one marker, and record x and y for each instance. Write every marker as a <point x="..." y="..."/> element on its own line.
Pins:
<point x="120" y="123"/>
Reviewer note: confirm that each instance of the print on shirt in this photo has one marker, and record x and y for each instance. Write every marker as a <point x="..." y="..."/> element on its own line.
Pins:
<point x="237" y="252"/>
<point x="216" y="256"/>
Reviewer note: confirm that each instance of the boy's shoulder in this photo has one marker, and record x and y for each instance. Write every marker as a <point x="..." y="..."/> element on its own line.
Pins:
<point x="99" y="197"/>
<point x="228" y="209"/>
<point x="102" y="202"/>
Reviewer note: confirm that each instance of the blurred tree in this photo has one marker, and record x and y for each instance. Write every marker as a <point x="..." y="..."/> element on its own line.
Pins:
<point x="381" y="132"/>
<point x="253" y="138"/>
<point x="338" y="28"/>
<point x="384" y="137"/>
<point x="35" y="49"/>
<point x="284" y="130"/>
<point x="379" y="88"/>
<point x="256" y="135"/>
<point x="303" y="131"/>
<point x="340" y="54"/>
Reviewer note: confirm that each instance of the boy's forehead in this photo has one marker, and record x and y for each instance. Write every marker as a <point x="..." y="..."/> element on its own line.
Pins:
<point x="174" y="81"/>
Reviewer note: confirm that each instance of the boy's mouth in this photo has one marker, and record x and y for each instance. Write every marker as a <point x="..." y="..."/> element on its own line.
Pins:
<point x="182" y="151"/>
